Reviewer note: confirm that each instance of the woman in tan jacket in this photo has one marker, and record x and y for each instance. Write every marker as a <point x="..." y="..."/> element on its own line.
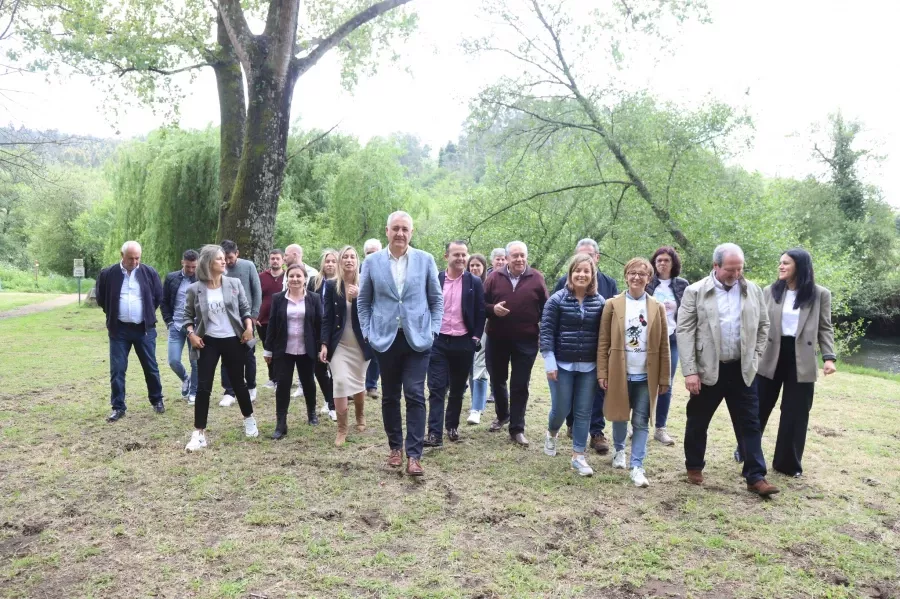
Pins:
<point x="633" y="364"/>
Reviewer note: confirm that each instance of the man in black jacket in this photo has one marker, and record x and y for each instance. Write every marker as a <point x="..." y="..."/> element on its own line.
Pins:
<point x="172" y="308"/>
<point x="606" y="287"/>
<point x="454" y="349"/>
<point x="129" y="294"/>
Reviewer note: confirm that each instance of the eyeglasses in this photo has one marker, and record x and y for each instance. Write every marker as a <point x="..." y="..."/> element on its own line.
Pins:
<point x="636" y="275"/>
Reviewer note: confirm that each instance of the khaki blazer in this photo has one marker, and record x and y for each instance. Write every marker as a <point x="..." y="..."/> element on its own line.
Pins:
<point x="700" y="336"/>
<point x="611" y="356"/>
<point x="814" y="325"/>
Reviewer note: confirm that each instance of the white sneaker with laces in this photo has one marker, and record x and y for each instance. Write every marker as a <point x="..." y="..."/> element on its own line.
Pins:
<point x="638" y="478"/>
<point x="253" y="394"/>
<point x="333" y="415"/>
<point x="227" y="400"/>
<point x="269" y="385"/>
<point x="619" y="460"/>
<point x="298" y="392"/>
<point x="663" y="437"/>
<point x="192" y="399"/>
<point x="250" y="429"/>
<point x="324" y="409"/>
<point x="474" y="417"/>
<point x="580" y="465"/>
<point x="197" y="442"/>
<point x="549" y="444"/>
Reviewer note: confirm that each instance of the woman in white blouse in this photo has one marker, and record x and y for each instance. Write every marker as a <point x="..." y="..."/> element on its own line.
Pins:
<point x="800" y="317"/>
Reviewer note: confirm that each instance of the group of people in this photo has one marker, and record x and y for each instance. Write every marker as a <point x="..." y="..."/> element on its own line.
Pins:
<point x="480" y="323"/>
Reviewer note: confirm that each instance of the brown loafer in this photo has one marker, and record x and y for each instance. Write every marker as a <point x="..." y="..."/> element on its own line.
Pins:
<point x="395" y="460"/>
<point x="763" y="488"/>
<point x="414" y="468"/>
<point x="695" y="477"/>
<point x="600" y="444"/>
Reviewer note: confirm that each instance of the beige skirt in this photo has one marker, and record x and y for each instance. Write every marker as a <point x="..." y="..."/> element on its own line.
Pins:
<point x="348" y="365"/>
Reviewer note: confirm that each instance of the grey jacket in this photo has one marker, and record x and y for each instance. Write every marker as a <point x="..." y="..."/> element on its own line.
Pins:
<point x="196" y="307"/>
<point x="699" y="335"/>
<point x="245" y="272"/>
<point x="814" y="325"/>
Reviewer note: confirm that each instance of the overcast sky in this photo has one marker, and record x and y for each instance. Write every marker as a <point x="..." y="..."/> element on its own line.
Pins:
<point x="799" y="60"/>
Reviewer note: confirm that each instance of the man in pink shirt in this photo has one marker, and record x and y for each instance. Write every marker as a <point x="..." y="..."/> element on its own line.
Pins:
<point x="456" y="344"/>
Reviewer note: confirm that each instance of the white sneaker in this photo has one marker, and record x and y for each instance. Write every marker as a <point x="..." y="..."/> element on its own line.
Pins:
<point x="324" y="409"/>
<point x="474" y="417"/>
<point x="192" y="399"/>
<point x="269" y="385"/>
<point x="250" y="429"/>
<point x="197" y="442"/>
<point x="630" y="432"/>
<point x="298" y="392"/>
<point x="619" y="460"/>
<point x="185" y="386"/>
<point x="333" y="415"/>
<point x="549" y="444"/>
<point x="253" y="394"/>
<point x="638" y="478"/>
<point x="580" y="465"/>
<point x="227" y="400"/>
<point x="663" y="437"/>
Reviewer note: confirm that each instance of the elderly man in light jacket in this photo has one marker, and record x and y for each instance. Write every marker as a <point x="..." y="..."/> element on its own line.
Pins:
<point x="722" y="329"/>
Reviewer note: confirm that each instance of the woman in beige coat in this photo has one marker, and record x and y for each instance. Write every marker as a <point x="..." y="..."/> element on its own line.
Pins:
<point x="633" y="364"/>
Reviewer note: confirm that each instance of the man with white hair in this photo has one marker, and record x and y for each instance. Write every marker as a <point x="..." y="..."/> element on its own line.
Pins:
<point x="370" y="247"/>
<point x="514" y="298"/>
<point x="400" y="307"/>
<point x="129" y="294"/>
<point x="722" y="331"/>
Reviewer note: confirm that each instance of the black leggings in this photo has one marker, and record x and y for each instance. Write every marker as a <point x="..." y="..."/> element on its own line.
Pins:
<point x="325" y="382"/>
<point x="284" y="370"/>
<point x="234" y="356"/>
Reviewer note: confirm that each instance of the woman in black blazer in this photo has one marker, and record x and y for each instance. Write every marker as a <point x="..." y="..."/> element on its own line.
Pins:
<point x="293" y="337"/>
<point x="343" y="345"/>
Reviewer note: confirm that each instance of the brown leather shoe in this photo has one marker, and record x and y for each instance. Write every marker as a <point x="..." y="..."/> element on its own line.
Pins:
<point x="395" y="460"/>
<point x="695" y="477"/>
<point x="413" y="467"/>
<point x="599" y="444"/>
<point x="763" y="488"/>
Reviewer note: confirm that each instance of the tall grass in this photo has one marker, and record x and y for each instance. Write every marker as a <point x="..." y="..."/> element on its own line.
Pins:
<point x="13" y="279"/>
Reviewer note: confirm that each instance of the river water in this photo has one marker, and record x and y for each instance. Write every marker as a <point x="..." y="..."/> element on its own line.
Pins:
<point x="882" y="354"/>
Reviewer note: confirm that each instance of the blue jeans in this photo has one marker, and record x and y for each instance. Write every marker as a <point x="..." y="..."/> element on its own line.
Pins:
<point x="372" y="375"/>
<point x="177" y="339"/>
<point x="479" y="394"/>
<point x="573" y="392"/>
<point x="664" y="400"/>
<point x="120" y="344"/>
<point x="639" y="400"/>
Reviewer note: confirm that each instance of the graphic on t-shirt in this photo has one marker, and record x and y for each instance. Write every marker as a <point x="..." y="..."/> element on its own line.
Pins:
<point x="634" y="332"/>
<point x="216" y="310"/>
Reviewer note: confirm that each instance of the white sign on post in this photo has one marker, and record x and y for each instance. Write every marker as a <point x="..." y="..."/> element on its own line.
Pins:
<point x="78" y="268"/>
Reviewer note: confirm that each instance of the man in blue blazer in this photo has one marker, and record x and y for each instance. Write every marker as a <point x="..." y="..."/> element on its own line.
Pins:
<point x="400" y="307"/>
<point x="129" y="294"/>
<point x="454" y="349"/>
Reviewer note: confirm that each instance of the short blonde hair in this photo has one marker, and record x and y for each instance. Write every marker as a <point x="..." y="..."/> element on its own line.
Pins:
<point x="634" y="262"/>
<point x="576" y="261"/>
<point x="208" y="253"/>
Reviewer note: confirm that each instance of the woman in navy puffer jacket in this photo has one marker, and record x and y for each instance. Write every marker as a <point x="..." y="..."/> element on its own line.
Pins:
<point x="570" y="329"/>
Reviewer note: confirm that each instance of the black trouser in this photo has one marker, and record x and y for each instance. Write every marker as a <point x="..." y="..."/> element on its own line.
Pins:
<point x="743" y="406"/>
<point x="248" y="371"/>
<point x="403" y="372"/>
<point x="511" y="403"/>
<point x="796" y="403"/>
<point x="263" y="329"/>
<point x="449" y="367"/>
<point x="325" y="382"/>
<point x="233" y="354"/>
<point x="284" y="370"/>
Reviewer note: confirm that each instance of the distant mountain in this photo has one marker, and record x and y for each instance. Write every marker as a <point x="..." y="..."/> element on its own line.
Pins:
<point x="56" y="147"/>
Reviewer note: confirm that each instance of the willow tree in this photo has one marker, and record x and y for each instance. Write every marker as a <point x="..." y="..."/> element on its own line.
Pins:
<point x="144" y="50"/>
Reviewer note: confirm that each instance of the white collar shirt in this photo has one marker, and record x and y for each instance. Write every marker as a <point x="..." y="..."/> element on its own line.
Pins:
<point x="398" y="269"/>
<point x="131" y="304"/>
<point x="729" y="304"/>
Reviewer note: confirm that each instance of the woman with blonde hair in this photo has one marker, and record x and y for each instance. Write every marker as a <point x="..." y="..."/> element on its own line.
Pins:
<point x="569" y="337"/>
<point x="633" y="364"/>
<point x="343" y="346"/>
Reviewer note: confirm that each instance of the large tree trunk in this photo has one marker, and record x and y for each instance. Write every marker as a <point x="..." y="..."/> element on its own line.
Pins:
<point x="232" y="113"/>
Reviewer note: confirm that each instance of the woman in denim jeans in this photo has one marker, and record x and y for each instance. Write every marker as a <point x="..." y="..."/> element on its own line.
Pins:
<point x="667" y="288"/>
<point x="478" y="379"/>
<point x="569" y="335"/>
<point x="633" y="364"/>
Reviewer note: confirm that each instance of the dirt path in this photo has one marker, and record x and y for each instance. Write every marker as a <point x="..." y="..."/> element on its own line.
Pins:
<point x="63" y="300"/>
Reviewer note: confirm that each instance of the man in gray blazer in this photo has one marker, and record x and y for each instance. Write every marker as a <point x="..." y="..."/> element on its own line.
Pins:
<point x="401" y="305"/>
<point x="722" y="328"/>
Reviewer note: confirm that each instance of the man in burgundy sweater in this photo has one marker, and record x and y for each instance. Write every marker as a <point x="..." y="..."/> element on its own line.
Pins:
<point x="271" y="281"/>
<point x="514" y="298"/>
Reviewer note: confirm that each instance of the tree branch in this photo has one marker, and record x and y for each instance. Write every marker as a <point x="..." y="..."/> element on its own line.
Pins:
<point x="125" y="70"/>
<point x="349" y="26"/>
<point x="239" y="33"/>
<point x="312" y="142"/>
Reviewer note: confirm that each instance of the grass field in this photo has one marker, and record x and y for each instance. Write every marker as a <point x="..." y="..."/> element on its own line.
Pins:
<point x="12" y="299"/>
<point x="121" y="511"/>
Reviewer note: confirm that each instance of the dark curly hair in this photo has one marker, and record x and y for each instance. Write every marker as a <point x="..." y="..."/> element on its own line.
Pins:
<point x="673" y="254"/>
